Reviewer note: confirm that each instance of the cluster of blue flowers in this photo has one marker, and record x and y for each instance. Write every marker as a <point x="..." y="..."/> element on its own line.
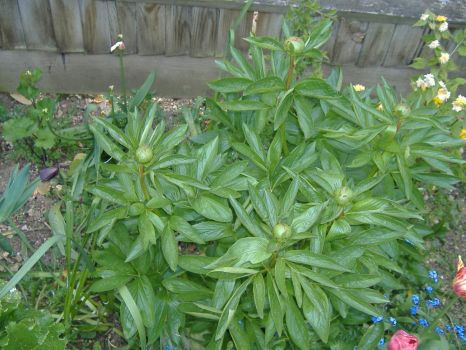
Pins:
<point x="458" y="329"/>
<point x="433" y="276"/>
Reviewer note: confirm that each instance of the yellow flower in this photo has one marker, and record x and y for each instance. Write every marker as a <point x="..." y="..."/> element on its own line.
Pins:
<point x="359" y="87"/>
<point x="440" y="18"/>
<point x="379" y="107"/>
<point x="437" y="101"/>
<point x="463" y="134"/>
<point x="444" y="58"/>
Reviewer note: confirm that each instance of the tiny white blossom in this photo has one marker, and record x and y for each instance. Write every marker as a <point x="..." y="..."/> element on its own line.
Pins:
<point x="457" y="107"/>
<point x="443" y="94"/>
<point x="442" y="84"/>
<point x="12" y="290"/>
<point x="434" y="44"/>
<point x="424" y="16"/>
<point x="429" y="79"/>
<point x="444" y="57"/>
<point x="443" y="27"/>
<point x="459" y="103"/>
<point x="420" y="83"/>
<point x="118" y="45"/>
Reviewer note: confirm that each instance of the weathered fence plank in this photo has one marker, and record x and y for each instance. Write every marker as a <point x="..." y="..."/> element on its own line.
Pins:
<point x="403" y="46"/>
<point x="67" y="26"/>
<point x="226" y="19"/>
<point x="269" y="24"/>
<point x="112" y="18"/>
<point x="348" y="41"/>
<point x="179" y="21"/>
<point x="96" y="29"/>
<point x="37" y="25"/>
<point x="375" y="43"/>
<point x="127" y="21"/>
<point x="151" y="27"/>
<point x="11" y="29"/>
<point x="204" y="31"/>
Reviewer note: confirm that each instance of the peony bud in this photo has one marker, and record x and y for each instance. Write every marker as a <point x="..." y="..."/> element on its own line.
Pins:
<point x="281" y="232"/>
<point x="459" y="283"/>
<point x="344" y="195"/>
<point x="403" y="341"/>
<point x="294" y="44"/>
<point x="144" y="154"/>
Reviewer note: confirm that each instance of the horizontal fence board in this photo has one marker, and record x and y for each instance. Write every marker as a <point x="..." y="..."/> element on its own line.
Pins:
<point x="127" y="21"/>
<point x="176" y="76"/>
<point x="349" y="40"/>
<point x="374" y="48"/>
<point x="151" y="27"/>
<point x="178" y="29"/>
<point x="204" y="31"/>
<point x="37" y="25"/>
<point x="11" y="29"/>
<point x="404" y="45"/>
<point x="96" y="29"/>
<point x="67" y="25"/>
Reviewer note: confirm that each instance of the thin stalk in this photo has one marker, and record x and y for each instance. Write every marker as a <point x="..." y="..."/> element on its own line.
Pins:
<point x="143" y="182"/>
<point x="444" y="311"/>
<point x="289" y="79"/>
<point x="123" y="80"/>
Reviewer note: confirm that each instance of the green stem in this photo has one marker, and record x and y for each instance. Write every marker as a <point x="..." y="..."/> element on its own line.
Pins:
<point x="123" y="81"/>
<point x="444" y="311"/>
<point x="289" y="79"/>
<point x="143" y="182"/>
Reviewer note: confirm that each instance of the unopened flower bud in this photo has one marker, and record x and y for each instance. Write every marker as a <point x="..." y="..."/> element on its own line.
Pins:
<point x="294" y="44"/>
<point x="344" y="195"/>
<point x="144" y="154"/>
<point x="281" y="232"/>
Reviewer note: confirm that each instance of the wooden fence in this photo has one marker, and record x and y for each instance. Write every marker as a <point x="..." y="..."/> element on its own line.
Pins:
<point x="70" y="39"/>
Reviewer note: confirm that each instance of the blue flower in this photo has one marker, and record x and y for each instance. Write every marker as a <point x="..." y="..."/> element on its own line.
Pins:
<point x="377" y="319"/>
<point x="381" y="342"/>
<point x="392" y="321"/>
<point x="415" y="299"/>
<point x="423" y="322"/>
<point x="448" y="328"/>
<point x="168" y="347"/>
<point x="459" y="330"/>
<point x="433" y="276"/>
<point x="413" y="310"/>
<point x="433" y="303"/>
<point x="439" y="330"/>
<point x="429" y="289"/>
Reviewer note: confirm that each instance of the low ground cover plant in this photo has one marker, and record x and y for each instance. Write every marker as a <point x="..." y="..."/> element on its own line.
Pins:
<point x="287" y="214"/>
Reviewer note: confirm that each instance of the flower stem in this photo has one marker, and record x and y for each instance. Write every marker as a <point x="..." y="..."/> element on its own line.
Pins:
<point x="123" y="81"/>
<point x="289" y="78"/>
<point x="143" y="182"/>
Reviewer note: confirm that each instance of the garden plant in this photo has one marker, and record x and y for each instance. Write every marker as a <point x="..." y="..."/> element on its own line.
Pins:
<point x="286" y="213"/>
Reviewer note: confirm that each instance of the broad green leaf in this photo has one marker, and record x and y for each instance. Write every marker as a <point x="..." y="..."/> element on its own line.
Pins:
<point x="188" y="232"/>
<point x="239" y="336"/>
<point x="296" y="326"/>
<point x="107" y="145"/>
<point x="244" y="105"/>
<point x="135" y="313"/>
<point x="213" y="208"/>
<point x="353" y="301"/>
<point x="312" y="259"/>
<point x="264" y="86"/>
<point x="309" y="217"/>
<point x="276" y="310"/>
<point x="246" y="220"/>
<point x="170" y="248"/>
<point x="230" y="84"/>
<point x="142" y="92"/>
<point x="265" y="42"/>
<point x="283" y="109"/>
<point x="259" y="294"/>
<point x="371" y="337"/>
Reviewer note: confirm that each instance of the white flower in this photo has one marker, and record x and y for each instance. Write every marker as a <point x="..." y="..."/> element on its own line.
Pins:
<point x="420" y="83"/>
<point x="443" y="27"/>
<point x="12" y="290"/>
<point x="118" y="45"/>
<point x="424" y="16"/>
<point x="442" y="84"/>
<point x="457" y="107"/>
<point x="434" y="44"/>
<point x="444" y="57"/>
<point x="459" y="103"/>
<point x="429" y="79"/>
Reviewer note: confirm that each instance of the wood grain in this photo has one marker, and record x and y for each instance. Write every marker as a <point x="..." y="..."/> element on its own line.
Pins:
<point x="269" y="24"/>
<point x="404" y="45"/>
<point x="11" y="29"/>
<point x="349" y="41"/>
<point x="37" y="25"/>
<point x="67" y="26"/>
<point x="151" y="26"/>
<point x="127" y="21"/>
<point x="204" y="31"/>
<point x="96" y="29"/>
<point x="375" y="44"/>
<point x="179" y="26"/>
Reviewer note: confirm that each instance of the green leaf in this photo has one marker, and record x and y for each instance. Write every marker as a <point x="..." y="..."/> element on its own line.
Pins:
<point x="244" y="105"/>
<point x="371" y="337"/>
<point x="258" y="288"/>
<point x="357" y="280"/>
<point x="213" y="208"/>
<point x="116" y="133"/>
<point x="188" y="290"/>
<point x="45" y="138"/>
<point x="246" y="220"/>
<point x="239" y="336"/>
<point x="283" y="108"/>
<point x="296" y="326"/>
<point x="230" y="84"/>
<point x="355" y="302"/>
<point x="249" y="249"/>
<point x="309" y="217"/>
<point x="110" y="194"/>
<point x="107" y="145"/>
<point x="142" y="92"/>
<point x="265" y="86"/>
<point x="110" y="283"/>
<point x="170" y="248"/>
<point x="265" y="42"/>
<point x="189" y="233"/>
<point x="276" y="310"/>
<point x="18" y="128"/>
<point x="29" y="264"/>
<point x="312" y="259"/>
<point x="315" y="87"/>
<point x="136" y="315"/>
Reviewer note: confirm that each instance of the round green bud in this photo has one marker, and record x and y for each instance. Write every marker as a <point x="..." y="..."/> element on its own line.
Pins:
<point x="402" y="110"/>
<point x="281" y="232"/>
<point x="344" y="195"/>
<point x="136" y="209"/>
<point x="294" y="44"/>
<point x="144" y="154"/>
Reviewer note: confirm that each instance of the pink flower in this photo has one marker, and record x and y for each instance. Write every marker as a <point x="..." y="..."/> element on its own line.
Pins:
<point x="403" y="341"/>
<point x="459" y="283"/>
